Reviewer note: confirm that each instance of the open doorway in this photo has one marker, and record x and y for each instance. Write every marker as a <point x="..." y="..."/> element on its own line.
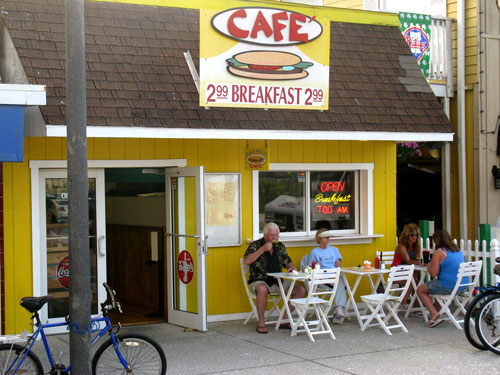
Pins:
<point x="419" y="193"/>
<point x="135" y="222"/>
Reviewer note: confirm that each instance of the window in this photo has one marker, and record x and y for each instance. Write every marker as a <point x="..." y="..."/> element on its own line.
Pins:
<point x="302" y="198"/>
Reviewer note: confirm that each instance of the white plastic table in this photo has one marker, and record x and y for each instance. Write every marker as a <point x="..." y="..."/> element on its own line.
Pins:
<point x="360" y="272"/>
<point x="293" y="277"/>
<point x="424" y="273"/>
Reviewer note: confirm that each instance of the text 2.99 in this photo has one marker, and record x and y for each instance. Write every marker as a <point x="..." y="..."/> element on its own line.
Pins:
<point x="220" y="92"/>
<point x="316" y="95"/>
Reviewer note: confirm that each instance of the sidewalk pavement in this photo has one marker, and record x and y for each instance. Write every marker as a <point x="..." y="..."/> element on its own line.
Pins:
<point x="237" y="349"/>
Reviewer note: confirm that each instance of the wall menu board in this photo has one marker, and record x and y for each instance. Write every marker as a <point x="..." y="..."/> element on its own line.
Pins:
<point x="222" y="209"/>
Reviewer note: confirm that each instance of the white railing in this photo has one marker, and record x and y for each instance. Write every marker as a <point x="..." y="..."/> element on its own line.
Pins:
<point x="473" y="253"/>
<point x="441" y="52"/>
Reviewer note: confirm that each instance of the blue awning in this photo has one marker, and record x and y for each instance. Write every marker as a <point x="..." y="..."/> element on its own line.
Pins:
<point x="11" y="132"/>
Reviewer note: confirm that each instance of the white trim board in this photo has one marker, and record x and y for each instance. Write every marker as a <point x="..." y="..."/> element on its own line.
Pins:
<point x="182" y="133"/>
<point x="160" y="163"/>
<point x="22" y="94"/>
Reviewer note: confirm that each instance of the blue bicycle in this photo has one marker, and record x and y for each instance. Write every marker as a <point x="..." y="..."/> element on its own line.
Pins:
<point x="121" y="354"/>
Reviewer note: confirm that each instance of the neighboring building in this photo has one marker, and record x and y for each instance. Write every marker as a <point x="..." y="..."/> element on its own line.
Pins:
<point x="153" y="150"/>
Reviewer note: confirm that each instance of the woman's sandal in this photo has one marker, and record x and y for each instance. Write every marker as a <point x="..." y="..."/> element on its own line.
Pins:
<point x="261" y="330"/>
<point x="434" y="323"/>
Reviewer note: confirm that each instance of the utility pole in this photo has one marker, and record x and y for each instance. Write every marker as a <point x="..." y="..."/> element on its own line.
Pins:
<point x="78" y="216"/>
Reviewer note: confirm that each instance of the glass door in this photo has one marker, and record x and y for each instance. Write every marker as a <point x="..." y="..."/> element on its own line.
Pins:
<point x="55" y="271"/>
<point x="186" y="247"/>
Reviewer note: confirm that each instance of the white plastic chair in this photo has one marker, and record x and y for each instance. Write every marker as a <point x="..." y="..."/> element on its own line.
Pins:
<point x="318" y="300"/>
<point x="387" y="257"/>
<point x="472" y="270"/>
<point x="390" y="300"/>
<point x="273" y="298"/>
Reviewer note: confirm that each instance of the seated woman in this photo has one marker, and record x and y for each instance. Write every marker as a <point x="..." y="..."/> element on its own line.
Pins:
<point x="444" y="264"/>
<point x="329" y="257"/>
<point x="408" y="251"/>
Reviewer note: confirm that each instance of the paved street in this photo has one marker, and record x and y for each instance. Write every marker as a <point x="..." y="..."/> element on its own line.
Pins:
<point x="235" y="349"/>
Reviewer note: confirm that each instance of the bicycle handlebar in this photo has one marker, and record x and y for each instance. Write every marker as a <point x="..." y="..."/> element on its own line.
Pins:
<point x="111" y="302"/>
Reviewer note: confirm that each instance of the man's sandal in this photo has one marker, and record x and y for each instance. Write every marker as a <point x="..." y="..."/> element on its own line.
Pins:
<point x="261" y="330"/>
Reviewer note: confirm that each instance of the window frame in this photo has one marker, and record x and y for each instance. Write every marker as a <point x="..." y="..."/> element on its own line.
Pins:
<point x="363" y="203"/>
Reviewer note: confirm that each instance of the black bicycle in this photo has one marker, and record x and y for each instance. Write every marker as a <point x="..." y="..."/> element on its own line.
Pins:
<point x="121" y="354"/>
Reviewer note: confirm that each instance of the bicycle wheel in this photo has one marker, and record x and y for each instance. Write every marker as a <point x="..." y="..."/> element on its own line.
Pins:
<point x="143" y="356"/>
<point x="488" y="323"/>
<point x="470" y="321"/>
<point x="10" y="354"/>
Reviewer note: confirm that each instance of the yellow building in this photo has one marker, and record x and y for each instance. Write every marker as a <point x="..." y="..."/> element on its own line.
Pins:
<point x="175" y="191"/>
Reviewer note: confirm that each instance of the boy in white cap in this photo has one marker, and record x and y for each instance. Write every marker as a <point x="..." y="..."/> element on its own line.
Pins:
<point x="329" y="257"/>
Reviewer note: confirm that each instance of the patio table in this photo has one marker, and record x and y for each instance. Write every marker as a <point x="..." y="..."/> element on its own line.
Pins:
<point x="424" y="274"/>
<point x="360" y="272"/>
<point x="293" y="277"/>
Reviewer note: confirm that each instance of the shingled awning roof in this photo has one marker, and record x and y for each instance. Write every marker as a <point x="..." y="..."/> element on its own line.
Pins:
<point x="137" y="76"/>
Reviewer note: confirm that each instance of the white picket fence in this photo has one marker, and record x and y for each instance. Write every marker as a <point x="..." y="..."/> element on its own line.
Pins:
<point x="473" y="253"/>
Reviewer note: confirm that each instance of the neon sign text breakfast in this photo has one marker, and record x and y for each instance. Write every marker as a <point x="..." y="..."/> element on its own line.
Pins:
<point x="324" y="204"/>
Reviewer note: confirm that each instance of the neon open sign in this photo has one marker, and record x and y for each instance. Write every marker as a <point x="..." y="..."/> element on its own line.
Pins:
<point x="329" y="204"/>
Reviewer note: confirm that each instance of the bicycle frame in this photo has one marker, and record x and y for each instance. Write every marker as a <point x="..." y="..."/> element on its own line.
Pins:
<point x="40" y="331"/>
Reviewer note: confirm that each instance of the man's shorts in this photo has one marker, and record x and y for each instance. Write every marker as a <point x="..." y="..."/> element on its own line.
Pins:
<point x="275" y="288"/>
<point x="435" y="287"/>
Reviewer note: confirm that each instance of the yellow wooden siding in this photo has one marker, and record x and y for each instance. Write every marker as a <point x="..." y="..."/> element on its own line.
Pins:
<point x="18" y="264"/>
<point x="454" y="182"/>
<point x="470" y="150"/>
<point x="349" y="4"/>
<point x="470" y="39"/>
<point x="223" y="270"/>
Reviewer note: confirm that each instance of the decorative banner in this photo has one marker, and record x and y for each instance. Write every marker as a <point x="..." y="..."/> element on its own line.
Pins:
<point x="416" y="29"/>
<point x="257" y="158"/>
<point x="185" y="267"/>
<point x="264" y="58"/>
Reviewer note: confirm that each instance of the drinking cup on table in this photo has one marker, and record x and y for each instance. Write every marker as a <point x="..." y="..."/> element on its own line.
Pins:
<point x="317" y="266"/>
<point x="426" y="256"/>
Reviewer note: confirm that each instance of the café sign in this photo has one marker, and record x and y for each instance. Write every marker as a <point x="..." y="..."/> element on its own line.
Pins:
<point x="265" y="58"/>
<point x="267" y="26"/>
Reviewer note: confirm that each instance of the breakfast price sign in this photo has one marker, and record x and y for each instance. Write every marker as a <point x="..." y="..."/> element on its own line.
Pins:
<point x="264" y="58"/>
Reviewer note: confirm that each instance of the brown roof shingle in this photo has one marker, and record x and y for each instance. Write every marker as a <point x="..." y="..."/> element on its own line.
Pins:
<point x="137" y="74"/>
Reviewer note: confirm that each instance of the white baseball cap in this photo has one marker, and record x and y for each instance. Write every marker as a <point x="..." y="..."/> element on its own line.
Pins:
<point x="326" y="233"/>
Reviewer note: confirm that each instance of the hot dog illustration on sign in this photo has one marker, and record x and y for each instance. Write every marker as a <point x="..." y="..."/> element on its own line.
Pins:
<point x="268" y="65"/>
<point x="185" y="267"/>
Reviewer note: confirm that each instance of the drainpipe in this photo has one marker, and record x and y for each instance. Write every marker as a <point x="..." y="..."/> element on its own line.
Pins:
<point x="462" y="177"/>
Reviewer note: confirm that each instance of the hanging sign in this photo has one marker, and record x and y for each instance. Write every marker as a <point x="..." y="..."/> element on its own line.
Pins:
<point x="264" y="58"/>
<point x="416" y="29"/>
<point x="257" y="158"/>
<point x="185" y="267"/>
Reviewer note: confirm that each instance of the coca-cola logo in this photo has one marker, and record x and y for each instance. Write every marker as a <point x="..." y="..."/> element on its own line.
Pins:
<point x="63" y="272"/>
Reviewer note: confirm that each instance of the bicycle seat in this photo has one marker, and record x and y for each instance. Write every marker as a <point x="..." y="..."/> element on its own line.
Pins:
<point x="33" y="304"/>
